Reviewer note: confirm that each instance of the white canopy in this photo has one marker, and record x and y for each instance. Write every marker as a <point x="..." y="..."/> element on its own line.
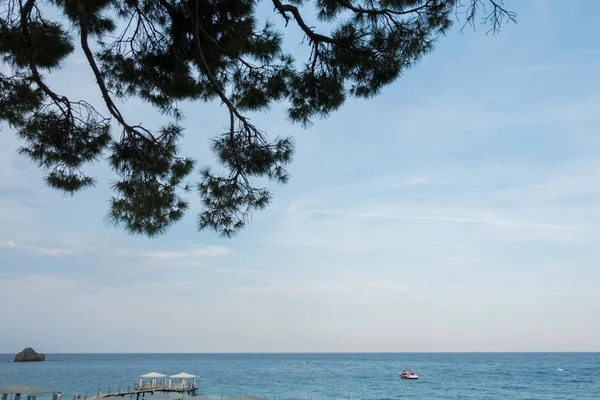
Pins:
<point x="153" y="375"/>
<point x="182" y="375"/>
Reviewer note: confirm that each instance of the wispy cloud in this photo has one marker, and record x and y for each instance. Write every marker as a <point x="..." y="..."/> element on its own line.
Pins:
<point x="191" y="253"/>
<point x="231" y="270"/>
<point x="37" y="249"/>
<point x="442" y="218"/>
<point x="283" y="289"/>
<point x="22" y="282"/>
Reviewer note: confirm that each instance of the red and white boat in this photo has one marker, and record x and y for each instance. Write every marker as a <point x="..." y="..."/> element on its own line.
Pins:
<point x="408" y="374"/>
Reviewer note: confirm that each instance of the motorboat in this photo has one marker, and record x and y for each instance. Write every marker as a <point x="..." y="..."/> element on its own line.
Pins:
<point x="408" y="374"/>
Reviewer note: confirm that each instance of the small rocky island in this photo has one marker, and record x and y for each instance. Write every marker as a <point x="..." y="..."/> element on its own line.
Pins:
<point x="28" y="355"/>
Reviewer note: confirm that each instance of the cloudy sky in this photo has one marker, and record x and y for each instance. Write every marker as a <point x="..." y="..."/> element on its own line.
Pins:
<point x="459" y="211"/>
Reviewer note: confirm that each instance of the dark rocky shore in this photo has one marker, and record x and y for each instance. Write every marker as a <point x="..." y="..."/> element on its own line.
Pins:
<point x="29" y="355"/>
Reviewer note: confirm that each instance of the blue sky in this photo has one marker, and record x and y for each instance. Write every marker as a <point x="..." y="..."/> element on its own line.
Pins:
<point x="458" y="211"/>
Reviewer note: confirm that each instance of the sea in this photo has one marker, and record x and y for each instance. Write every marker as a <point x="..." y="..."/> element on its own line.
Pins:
<point x="362" y="376"/>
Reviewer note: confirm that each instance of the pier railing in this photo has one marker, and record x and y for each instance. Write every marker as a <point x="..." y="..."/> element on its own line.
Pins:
<point x="138" y="390"/>
<point x="199" y="396"/>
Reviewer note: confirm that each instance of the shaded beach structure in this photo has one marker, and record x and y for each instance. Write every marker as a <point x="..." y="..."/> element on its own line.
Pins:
<point x="182" y="382"/>
<point x="153" y="384"/>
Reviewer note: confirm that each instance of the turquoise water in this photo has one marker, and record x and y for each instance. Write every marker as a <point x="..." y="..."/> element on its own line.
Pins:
<point x="329" y="376"/>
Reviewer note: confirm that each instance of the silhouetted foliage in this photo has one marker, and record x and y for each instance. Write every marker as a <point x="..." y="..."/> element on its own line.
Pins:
<point x="169" y="51"/>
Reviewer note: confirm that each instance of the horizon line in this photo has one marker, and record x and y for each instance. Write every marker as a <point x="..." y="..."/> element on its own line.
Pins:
<point x="325" y="353"/>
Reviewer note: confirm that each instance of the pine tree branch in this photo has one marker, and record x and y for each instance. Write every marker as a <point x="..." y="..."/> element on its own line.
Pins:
<point x="495" y="17"/>
<point x="131" y="131"/>
<point x="233" y="111"/>
<point x="317" y="38"/>
<point x="206" y="68"/>
<point x="26" y="9"/>
<point x="61" y="102"/>
<point x="227" y="53"/>
<point x="382" y="11"/>
<point x="314" y="36"/>
<point x="166" y="51"/>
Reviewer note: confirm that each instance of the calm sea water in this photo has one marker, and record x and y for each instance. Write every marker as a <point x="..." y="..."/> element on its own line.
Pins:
<point x="329" y="376"/>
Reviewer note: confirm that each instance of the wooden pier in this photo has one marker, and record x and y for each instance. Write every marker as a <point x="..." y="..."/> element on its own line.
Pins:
<point x="140" y="391"/>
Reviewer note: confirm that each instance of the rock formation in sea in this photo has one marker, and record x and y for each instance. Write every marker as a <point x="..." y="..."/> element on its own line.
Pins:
<point x="29" y="354"/>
